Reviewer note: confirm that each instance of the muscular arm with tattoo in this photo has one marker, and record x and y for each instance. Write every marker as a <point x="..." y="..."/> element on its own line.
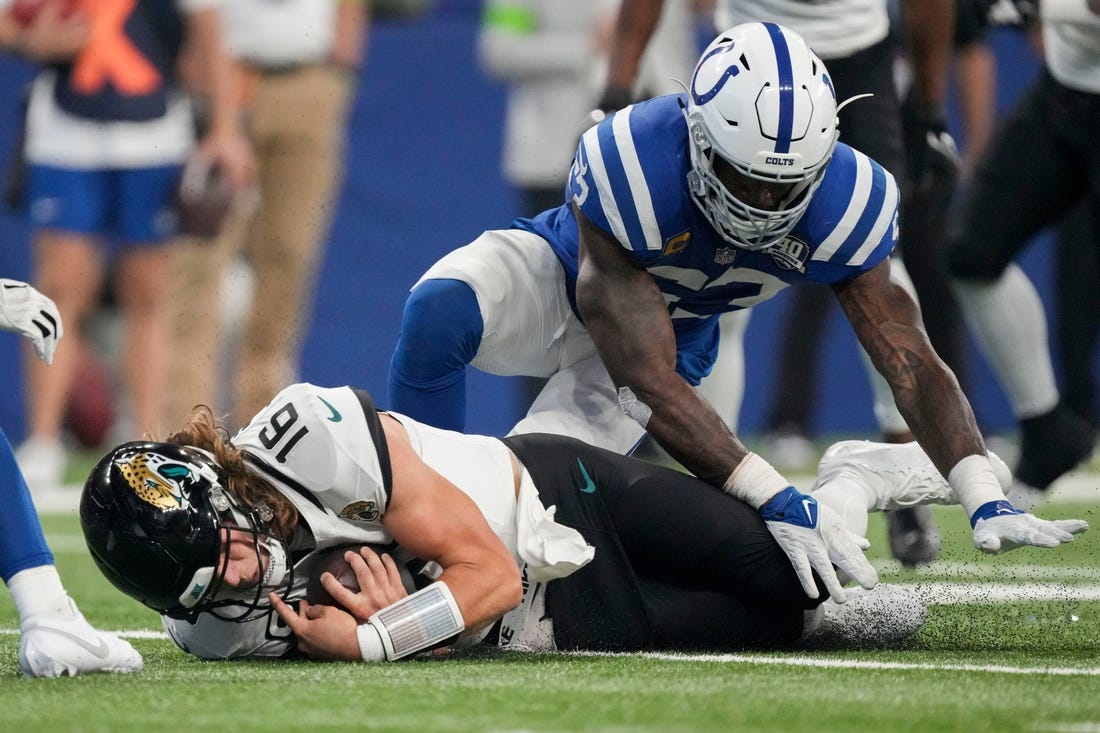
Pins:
<point x="629" y="322"/>
<point x="628" y="319"/>
<point x="888" y="324"/>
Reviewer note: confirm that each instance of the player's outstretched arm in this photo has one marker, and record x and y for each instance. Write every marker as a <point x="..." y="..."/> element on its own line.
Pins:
<point x="888" y="324"/>
<point x="627" y="317"/>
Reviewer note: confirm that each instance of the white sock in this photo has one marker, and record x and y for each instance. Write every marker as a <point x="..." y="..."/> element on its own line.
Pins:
<point x="38" y="592"/>
<point x="1009" y="323"/>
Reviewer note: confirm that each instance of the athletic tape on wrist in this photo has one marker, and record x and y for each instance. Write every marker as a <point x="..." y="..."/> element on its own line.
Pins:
<point x="371" y="648"/>
<point x="634" y="408"/>
<point x="754" y="481"/>
<point x="974" y="483"/>
<point x="412" y="624"/>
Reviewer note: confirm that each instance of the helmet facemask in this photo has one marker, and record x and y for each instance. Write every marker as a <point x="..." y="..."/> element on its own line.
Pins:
<point x="761" y="102"/>
<point x="208" y="593"/>
<point x="158" y="521"/>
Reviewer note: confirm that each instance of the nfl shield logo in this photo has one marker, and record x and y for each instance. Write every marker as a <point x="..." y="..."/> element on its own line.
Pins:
<point x="724" y="256"/>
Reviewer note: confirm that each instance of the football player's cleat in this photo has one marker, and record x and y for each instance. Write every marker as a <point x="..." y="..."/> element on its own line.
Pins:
<point x="42" y="462"/>
<point x="895" y="475"/>
<point x="1052" y="444"/>
<point x="54" y="647"/>
<point x="884" y="615"/>
<point x="914" y="537"/>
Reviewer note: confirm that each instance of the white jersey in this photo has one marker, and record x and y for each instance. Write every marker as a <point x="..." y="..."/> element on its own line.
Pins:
<point x="550" y="55"/>
<point x="58" y="138"/>
<point x="1071" y="42"/>
<point x="832" y="28"/>
<point x="280" y="33"/>
<point x="324" y="450"/>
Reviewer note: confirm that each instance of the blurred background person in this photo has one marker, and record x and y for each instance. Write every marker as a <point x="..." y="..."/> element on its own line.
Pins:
<point x="300" y="61"/>
<point x="1012" y="198"/>
<point x="552" y="55"/>
<point x="107" y="132"/>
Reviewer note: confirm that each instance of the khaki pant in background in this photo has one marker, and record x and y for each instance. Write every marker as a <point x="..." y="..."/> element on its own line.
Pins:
<point x="298" y="128"/>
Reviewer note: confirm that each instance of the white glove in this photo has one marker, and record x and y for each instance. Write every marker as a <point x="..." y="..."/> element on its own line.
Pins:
<point x="25" y="310"/>
<point x="1000" y="527"/>
<point x="814" y="537"/>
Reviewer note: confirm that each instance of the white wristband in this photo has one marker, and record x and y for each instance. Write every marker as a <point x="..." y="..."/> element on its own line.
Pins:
<point x="974" y="483"/>
<point x="371" y="648"/>
<point x="754" y="481"/>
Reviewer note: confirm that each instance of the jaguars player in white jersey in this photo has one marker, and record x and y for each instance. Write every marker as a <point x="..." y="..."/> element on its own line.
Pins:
<point x="680" y="208"/>
<point x="534" y="542"/>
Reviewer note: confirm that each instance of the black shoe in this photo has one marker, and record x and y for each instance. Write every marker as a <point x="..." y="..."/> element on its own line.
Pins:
<point x="1051" y="444"/>
<point x="914" y="538"/>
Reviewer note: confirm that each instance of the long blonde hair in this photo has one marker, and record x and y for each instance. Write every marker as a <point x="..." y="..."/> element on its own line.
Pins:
<point x="201" y="430"/>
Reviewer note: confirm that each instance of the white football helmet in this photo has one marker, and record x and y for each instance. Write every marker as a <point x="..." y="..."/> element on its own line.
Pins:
<point x="762" y="101"/>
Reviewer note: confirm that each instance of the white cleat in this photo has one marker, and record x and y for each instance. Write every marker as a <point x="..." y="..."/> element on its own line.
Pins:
<point x="52" y="647"/>
<point x="895" y="475"/>
<point x="42" y="462"/>
<point x="887" y="614"/>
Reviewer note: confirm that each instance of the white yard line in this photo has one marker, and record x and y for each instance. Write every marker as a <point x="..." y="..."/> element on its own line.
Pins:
<point x="940" y="593"/>
<point x="826" y="663"/>
<point x="819" y="662"/>
<point x="981" y="571"/>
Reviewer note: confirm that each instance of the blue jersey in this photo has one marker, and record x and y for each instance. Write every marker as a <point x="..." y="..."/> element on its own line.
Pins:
<point x="629" y="178"/>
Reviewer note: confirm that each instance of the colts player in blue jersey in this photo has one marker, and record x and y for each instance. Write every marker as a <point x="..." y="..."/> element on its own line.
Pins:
<point x="678" y="209"/>
<point x="55" y="639"/>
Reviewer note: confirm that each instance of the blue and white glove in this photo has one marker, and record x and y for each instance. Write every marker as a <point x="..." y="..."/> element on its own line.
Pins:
<point x="814" y="537"/>
<point x="1000" y="527"/>
<point x="26" y="311"/>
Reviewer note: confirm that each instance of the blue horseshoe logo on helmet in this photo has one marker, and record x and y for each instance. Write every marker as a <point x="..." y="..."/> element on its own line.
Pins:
<point x="731" y="71"/>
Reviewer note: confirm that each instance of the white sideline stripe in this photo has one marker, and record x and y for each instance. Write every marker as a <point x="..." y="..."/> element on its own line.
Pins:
<point x="941" y="569"/>
<point x="825" y="663"/>
<point x="124" y="633"/>
<point x="973" y="593"/>
<point x="792" y="661"/>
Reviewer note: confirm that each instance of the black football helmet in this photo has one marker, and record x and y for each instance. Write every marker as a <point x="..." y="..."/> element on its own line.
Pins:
<point x="156" y="518"/>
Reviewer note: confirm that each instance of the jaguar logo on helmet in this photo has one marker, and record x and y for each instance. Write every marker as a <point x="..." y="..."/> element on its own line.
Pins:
<point x="154" y="479"/>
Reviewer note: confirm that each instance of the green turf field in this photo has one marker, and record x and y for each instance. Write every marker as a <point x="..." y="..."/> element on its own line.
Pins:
<point x="983" y="665"/>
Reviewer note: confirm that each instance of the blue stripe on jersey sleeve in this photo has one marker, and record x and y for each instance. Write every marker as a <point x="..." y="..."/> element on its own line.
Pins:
<point x="637" y="155"/>
<point x="618" y="181"/>
<point x="581" y="188"/>
<point x="866" y="222"/>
